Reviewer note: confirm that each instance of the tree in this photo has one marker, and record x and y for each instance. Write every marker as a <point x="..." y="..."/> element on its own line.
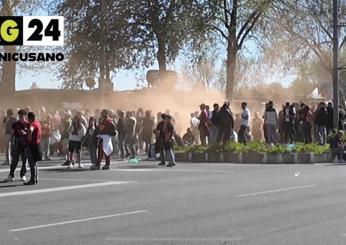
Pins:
<point x="233" y="21"/>
<point x="98" y="40"/>
<point x="300" y="34"/>
<point x="8" y="69"/>
<point x="161" y="28"/>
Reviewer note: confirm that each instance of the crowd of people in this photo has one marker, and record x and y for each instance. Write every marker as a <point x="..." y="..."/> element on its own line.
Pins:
<point x="101" y="134"/>
<point x="292" y="123"/>
<point x="32" y="136"/>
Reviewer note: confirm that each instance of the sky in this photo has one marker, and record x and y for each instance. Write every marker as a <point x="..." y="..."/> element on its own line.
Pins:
<point x="126" y="80"/>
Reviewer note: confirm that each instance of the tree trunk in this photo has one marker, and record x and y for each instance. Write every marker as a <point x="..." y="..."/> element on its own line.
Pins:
<point x="8" y="76"/>
<point x="231" y="64"/>
<point x="161" y="54"/>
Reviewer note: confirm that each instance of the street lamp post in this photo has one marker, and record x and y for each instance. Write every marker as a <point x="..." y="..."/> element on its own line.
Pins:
<point x="335" y="64"/>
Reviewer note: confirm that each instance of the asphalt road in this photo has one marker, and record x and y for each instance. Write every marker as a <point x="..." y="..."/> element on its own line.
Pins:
<point x="187" y="204"/>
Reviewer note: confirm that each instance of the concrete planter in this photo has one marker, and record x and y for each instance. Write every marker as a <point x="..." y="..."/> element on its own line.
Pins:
<point x="321" y="158"/>
<point x="252" y="157"/>
<point x="272" y="158"/>
<point x="213" y="156"/>
<point x="231" y="157"/>
<point x="288" y="158"/>
<point x="304" y="157"/>
<point x="199" y="157"/>
<point x="181" y="157"/>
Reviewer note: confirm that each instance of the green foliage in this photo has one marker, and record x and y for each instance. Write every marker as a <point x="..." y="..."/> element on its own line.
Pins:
<point x="256" y="147"/>
<point x="197" y="149"/>
<point x="310" y="148"/>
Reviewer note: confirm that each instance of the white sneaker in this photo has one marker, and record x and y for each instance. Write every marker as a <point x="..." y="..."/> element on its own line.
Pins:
<point x="9" y="179"/>
<point x="80" y="166"/>
<point x="23" y="179"/>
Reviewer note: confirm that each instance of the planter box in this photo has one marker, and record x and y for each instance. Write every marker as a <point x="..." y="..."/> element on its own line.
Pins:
<point x="288" y="158"/>
<point x="304" y="157"/>
<point x="181" y="157"/>
<point x="213" y="157"/>
<point x="231" y="157"/>
<point x="199" y="157"/>
<point x="252" y="157"/>
<point x="273" y="158"/>
<point x="321" y="158"/>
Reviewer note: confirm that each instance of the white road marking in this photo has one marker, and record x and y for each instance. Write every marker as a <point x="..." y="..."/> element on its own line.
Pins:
<point x="7" y="170"/>
<point x="82" y="180"/>
<point x="220" y="240"/>
<point x="168" y="170"/>
<point x="277" y="190"/>
<point x="77" y="221"/>
<point x="63" y="188"/>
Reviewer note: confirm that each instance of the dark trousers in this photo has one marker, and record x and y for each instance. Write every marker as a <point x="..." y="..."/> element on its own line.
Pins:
<point x="30" y="153"/>
<point x="241" y="134"/>
<point x="100" y="154"/>
<point x="307" y="133"/>
<point x="121" y="144"/>
<point x="288" y="132"/>
<point x="224" y="134"/>
<point x="17" y="153"/>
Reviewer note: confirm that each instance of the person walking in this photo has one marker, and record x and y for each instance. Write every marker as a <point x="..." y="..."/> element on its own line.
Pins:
<point x="214" y="123"/>
<point x="271" y="120"/>
<point x="46" y="133"/>
<point x="165" y="132"/>
<point x="7" y="125"/>
<point x="226" y="123"/>
<point x="105" y="132"/>
<point x="130" y="140"/>
<point x="76" y="135"/>
<point x="147" y="132"/>
<point x="289" y="114"/>
<point x="306" y="118"/>
<point x="90" y="140"/>
<point x="121" y="134"/>
<point x="244" y="123"/>
<point x="19" y="132"/>
<point x="194" y="125"/>
<point x="321" y="122"/>
<point x="203" y="125"/>
<point x="33" y="151"/>
<point x="256" y="128"/>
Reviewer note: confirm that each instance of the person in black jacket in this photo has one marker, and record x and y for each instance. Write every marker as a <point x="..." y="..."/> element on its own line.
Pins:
<point x="330" y="125"/>
<point x="214" y="121"/>
<point x="337" y="147"/>
<point x="321" y="122"/>
<point x="226" y="123"/>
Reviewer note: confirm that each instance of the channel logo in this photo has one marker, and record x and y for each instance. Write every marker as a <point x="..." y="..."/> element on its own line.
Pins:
<point x="32" y="30"/>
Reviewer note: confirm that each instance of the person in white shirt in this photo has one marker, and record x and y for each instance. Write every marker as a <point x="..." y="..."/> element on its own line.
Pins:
<point x="76" y="135"/>
<point x="244" y="123"/>
<point x="194" y="124"/>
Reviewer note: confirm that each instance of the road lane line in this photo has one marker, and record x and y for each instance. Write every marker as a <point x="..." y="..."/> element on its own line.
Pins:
<point x="63" y="188"/>
<point x="169" y="170"/>
<point x="77" y="221"/>
<point x="274" y="191"/>
<point x="81" y="180"/>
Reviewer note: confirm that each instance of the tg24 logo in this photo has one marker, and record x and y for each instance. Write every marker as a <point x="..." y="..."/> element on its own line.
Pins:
<point x="32" y="30"/>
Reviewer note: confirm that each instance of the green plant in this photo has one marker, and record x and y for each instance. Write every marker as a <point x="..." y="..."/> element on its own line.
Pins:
<point x="197" y="149"/>
<point x="277" y="149"/>
<point x="310" y="148"/>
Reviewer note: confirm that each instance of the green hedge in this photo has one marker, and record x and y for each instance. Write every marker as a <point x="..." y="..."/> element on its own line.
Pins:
<point x="255" y="147"/>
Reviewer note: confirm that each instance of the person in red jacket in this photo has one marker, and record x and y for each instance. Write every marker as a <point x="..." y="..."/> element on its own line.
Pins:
<point x="33" y="151"/>
<point x="105" y="132"/>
